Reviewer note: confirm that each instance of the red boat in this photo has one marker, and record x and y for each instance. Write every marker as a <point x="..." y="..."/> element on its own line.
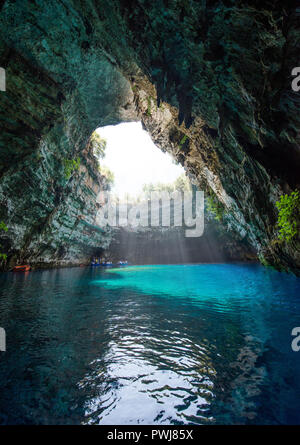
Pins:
<point x="23" y="268"/>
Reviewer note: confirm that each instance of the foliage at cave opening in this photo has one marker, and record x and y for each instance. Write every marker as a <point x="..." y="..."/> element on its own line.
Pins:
<point x="288" y="216"/>
<point x="109" y="176"/>
<point x="181" y="184"/>
<point x="98" y="145"/>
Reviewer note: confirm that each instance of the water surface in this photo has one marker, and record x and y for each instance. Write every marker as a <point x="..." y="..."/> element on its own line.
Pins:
<point x="186" y="344"/>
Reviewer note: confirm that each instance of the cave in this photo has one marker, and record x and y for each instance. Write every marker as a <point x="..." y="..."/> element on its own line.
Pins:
<point x="215" y="84"/>
<point x="137" y="167"/>
<point x="72" y="70"/>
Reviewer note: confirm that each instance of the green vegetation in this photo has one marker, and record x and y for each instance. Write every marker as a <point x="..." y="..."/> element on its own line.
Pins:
<point x="3" y="256"/>
<point x="3" y="226"/>
<point x="70" y="166"/>
<point x="181" y="184"/>
<point x="181" y="143"/>
<point x="289" y="216"/>
<point x="108" y="174"/>
<point x="149" y="99"/>
<point x="152" y="102"/>
<point x="157" y="187"/>
<point x="215" y="207"/>
<point x="98" y="145"/>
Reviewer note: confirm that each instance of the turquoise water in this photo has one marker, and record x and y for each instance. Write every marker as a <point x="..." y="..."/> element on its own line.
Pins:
<point x="180" y="344"/>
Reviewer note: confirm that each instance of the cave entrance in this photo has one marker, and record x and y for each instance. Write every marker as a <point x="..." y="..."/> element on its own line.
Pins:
<point x="133" y="162"/>
<point x="135" y="167"/>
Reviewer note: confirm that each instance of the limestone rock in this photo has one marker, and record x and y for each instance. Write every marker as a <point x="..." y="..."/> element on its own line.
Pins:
<point x="211" y="82"/>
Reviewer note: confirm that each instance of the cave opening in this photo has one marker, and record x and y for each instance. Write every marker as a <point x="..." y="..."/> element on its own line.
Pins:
<point x="135" y="163"/>
<point x="134" y="167"/>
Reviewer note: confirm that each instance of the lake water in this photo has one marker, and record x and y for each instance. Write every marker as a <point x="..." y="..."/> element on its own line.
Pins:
<point x="180" y="344"/>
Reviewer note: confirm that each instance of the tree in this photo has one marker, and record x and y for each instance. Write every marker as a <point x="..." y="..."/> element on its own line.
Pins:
<point x="182" y="183"/>
<point x="158" y="187"/>
<point x="98" y="145"/>
<point x="108" y="174"/>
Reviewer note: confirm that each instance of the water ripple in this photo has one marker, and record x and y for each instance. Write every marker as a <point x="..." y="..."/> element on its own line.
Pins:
<point x="155" y="345"/>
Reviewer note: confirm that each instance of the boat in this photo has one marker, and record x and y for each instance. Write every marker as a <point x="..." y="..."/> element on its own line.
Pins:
<point x="95" y="264"/>
<point x="122" y="263"/>
<point x="23" y="268"/>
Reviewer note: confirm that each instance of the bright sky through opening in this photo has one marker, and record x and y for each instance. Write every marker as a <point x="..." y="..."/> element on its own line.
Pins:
<point x="134" y="159"/>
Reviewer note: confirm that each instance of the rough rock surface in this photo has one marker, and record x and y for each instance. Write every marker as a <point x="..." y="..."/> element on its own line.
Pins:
<point x="210" y="80"/>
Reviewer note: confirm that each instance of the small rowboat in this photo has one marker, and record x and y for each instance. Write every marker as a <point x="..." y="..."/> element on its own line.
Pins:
<point x="23" y="268"/>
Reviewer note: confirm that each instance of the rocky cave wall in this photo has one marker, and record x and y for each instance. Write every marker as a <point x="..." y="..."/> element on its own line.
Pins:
<point x="210" y="80"/>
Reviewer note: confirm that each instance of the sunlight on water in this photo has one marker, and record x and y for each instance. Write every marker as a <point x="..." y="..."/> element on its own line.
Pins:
<point x="220" y="284"/>
<point x="181" y="344"/>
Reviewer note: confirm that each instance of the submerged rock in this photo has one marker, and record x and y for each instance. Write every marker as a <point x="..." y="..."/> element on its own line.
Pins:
<point x="210" y="81"/>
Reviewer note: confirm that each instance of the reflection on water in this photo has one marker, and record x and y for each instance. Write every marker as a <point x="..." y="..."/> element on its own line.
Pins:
<point x="150" y="345"/>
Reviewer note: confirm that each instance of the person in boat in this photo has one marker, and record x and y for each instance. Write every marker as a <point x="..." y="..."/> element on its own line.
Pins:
<point x="122" y="262"/>
<point x="95" y="262"/>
